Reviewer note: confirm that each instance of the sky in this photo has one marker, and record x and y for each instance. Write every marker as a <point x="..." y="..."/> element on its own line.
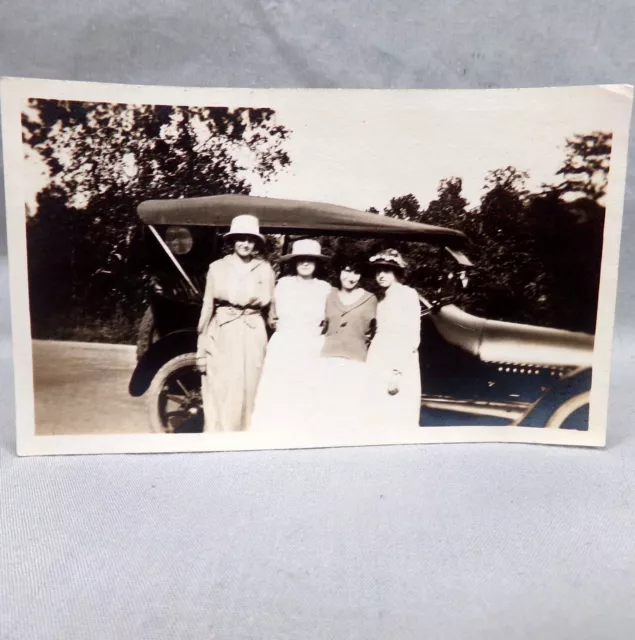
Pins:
<point x="360" y="149"/>
<point x="363" y="157"/>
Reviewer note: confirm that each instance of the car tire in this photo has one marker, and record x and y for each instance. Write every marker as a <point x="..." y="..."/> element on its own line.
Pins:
<point x="147" y="333"/>
<point x="566" y="409"/>
<point x="178" y="377"/>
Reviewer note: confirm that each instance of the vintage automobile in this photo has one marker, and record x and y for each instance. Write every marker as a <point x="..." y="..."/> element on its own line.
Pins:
<point x="474" y="371"/>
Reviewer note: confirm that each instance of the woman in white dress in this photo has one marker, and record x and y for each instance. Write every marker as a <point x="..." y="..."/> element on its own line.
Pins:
<point x="394" y="351"/>
<point x="289" y="376"/>
<point x="232" y="333"/>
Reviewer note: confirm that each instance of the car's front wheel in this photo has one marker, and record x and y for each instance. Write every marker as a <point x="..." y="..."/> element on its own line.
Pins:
<point x="572" y="414"/>
<point x="174" y="398"/>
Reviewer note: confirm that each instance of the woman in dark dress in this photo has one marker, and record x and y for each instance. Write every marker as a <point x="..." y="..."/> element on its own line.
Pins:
<point x="350" y="316"/>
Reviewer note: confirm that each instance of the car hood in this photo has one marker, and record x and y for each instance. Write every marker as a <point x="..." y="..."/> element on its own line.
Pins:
<point x="513" y="343"/>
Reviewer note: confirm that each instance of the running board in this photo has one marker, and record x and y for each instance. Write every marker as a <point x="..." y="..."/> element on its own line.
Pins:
<point x="509" y="410"/>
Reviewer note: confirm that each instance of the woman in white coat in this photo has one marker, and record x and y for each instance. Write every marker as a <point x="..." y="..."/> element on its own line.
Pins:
<point x="394" y="352"/>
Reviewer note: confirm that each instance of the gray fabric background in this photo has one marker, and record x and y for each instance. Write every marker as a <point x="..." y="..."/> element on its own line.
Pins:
<point x="449" y="541"/>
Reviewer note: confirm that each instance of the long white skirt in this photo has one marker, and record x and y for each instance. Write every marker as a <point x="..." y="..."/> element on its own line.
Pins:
<point x="289" y="383"/>
<point x="343" y="406"/>
<point x="403" y="409"/>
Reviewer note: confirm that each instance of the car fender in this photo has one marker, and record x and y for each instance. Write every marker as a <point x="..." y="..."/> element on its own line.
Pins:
<point x="572" y="390"/>
<point x="168" y="347"/>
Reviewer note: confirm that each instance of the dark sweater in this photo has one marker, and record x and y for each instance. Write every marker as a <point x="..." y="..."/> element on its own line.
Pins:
<point x="348" y="326"/>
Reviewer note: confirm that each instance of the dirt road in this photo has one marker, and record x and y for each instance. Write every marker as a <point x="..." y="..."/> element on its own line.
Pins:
<point x="82" y="388"/>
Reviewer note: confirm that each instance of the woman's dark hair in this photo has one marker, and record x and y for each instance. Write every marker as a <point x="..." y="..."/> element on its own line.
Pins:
<point x="398" y="272"/>
<point x="374" y="286"/>
<point x="354" y="261"/>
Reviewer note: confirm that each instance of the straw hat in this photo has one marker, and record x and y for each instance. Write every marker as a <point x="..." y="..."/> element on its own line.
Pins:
<point x="245" y="225"/>
<point x="305" y="249"/>
<point x="389" y="258"/>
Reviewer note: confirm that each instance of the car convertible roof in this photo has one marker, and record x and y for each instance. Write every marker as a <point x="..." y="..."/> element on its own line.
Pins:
<point x="292" y="217"/>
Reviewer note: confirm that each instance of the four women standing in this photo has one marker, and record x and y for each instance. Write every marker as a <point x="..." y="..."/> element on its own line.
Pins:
<point x="318" y="370"/>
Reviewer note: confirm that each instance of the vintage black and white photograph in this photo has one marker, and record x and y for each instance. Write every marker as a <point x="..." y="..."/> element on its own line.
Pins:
<point x="200" y="269"/>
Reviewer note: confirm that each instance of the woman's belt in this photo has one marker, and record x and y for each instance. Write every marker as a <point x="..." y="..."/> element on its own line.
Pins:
<point x="227" y="312"/>
<point x="239" y="307"/>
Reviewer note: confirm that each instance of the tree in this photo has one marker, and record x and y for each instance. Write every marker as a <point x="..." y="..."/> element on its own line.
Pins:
<point x="94" y="148"/>
<point x="569" y="248"/>
<point x="405" y="208"/>
<point x="449" y="209"/>
<point x="103" y="160"/>
<point x="568" y="220"/>
<point x="537" y="255"/>
<point x="586" y="166"/>
<point x="507" y="278"/>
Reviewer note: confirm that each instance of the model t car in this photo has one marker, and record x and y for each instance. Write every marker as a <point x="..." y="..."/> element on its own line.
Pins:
<point x="474" y="371"/>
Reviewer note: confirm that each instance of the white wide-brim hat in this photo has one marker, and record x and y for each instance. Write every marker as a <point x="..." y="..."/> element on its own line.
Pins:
<point x="305" y="249"/>
<point x="245" y="225"/>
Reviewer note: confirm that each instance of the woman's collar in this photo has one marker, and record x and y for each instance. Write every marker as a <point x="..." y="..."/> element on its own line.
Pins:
<point x="363" y="298"/>
<point x="235" y="261"/>
<point x="393" y="288"/>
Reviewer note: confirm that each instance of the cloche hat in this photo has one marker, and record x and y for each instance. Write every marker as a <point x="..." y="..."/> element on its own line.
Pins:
<point x="388" y="258"/>
<point x="305" y="249"/>
<point x="245" y="225"/>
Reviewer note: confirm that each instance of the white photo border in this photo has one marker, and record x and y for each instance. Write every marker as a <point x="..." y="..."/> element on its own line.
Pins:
<point x="14" y="94"/>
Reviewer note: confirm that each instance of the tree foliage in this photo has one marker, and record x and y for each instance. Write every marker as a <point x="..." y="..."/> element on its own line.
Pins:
<point x="449" y="209"/>
<point x="586" y="167"/>
<point x="537" y="255"/>
<point x="103" y="160"/>
<point x="405" y="208"/>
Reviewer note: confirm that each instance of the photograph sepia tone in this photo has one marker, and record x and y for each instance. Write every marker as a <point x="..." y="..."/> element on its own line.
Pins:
<point x="226" y="269"/>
